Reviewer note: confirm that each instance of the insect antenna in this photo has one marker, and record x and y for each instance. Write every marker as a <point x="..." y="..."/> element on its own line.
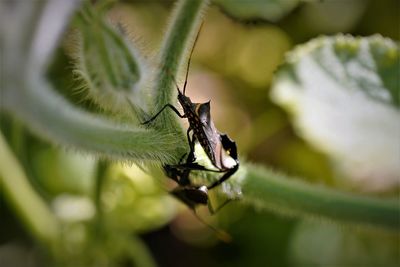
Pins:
<point x="188" y="66"/>
<point x="190" y="57"/>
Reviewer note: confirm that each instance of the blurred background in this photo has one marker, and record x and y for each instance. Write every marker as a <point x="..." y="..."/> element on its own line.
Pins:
<point x="233" y="66"/>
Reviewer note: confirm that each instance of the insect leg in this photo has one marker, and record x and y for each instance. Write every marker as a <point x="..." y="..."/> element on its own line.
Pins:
<point x="181" y="159"/>
<point x="224" y="177"/>
<point x="195" y="166"/>
<point x="190" y="143"/>
<point x="158" y="113"/>
<point x="191" y="157"/>
<point x="213" y="211"/>
<point x="180" y="176"/>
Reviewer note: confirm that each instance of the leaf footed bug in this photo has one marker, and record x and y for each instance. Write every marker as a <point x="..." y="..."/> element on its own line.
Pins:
<point x="220" y="149"/>
<point x="224" y="159"/>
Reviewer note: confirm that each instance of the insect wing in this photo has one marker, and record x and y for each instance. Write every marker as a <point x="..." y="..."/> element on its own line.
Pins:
<point x="203" y="112"/>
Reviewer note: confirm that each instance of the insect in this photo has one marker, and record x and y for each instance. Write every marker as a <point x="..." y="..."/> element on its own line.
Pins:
<point x="220" y="149"/>
<point x="193" y="196"/>
<point x="188" y="193"/>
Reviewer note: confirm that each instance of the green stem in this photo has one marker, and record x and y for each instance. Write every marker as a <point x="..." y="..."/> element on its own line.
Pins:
<point x="30" y="207"/>
<point x="185" y="23"/>
<point x="268" y="189"/>
<point x="101" y="173"/>
<point x="180" y="37"/>
<point x="52" y="117"/>
<point x="34" y="101"/>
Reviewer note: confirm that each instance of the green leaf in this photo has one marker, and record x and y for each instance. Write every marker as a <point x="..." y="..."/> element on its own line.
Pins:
<point x="343" y="93"/>
<point x="270" y="10"/>
<point x="106" y="62"/>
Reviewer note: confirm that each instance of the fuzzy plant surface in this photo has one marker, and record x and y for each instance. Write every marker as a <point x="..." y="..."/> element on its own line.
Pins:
<point x="121" y="81"/>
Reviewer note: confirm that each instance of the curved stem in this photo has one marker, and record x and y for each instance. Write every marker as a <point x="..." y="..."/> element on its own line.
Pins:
<point x="271" y="190"/>
<point x="33" y="100"/>
<point x="54" y="118"/>
<point x="27" y="203"/>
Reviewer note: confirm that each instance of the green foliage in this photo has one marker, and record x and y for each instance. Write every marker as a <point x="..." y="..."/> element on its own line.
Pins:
<point x="110" y="69"/>
<point x="37" y="216"/>
<point x="93" y="209"/>
<point x="270" y="190"/>
<point x="53" y="118"/>
<point x="343" y="92"/>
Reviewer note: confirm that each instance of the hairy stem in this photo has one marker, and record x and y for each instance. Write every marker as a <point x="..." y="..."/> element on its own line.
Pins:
<point x="185" y="23"/>
<point x="268" y="189"/>
<point x="52" y="117"/>
<point x="32" y="99"/>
